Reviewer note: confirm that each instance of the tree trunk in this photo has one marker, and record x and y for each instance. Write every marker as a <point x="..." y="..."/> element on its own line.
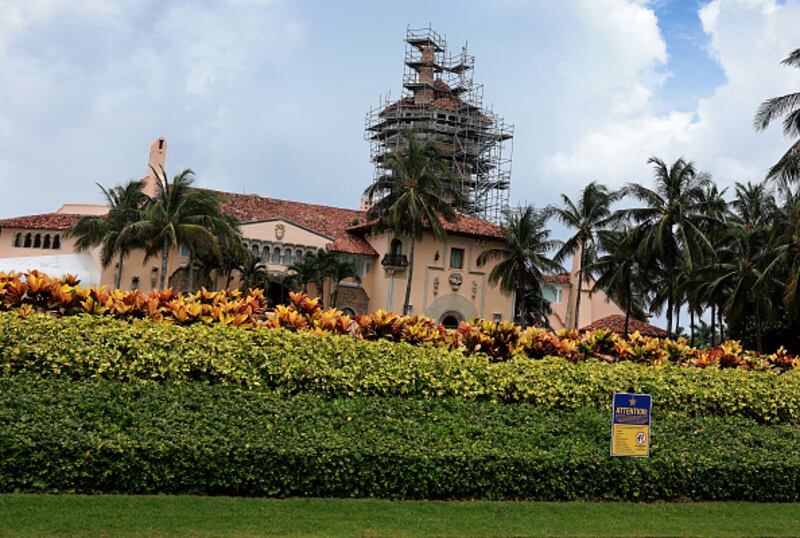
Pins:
<point x="407" y="301"/>
<point x="691" y="326"/>
<point x="713" y="324"/>
<point x="677" y="318"/>
<point x="580" y="287"/>
<point x="721" y="327"/>
<point x="758" y="329"/>
<point x="118" y="275"/>
<point x="627" y="316"/>
<point x="670" y="294"/>
<point x="164" y="264"/>
<point x="191" y="272"/>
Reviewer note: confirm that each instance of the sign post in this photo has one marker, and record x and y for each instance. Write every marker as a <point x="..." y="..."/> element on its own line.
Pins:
<point x="630" y="425"/>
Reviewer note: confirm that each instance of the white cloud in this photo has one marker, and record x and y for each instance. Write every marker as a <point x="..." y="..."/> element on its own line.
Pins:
<point x="748" y="39"/>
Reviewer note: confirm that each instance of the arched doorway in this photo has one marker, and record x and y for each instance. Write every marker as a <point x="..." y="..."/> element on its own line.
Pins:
<point x="277" y="294"/>
<point x="450" y="321"/>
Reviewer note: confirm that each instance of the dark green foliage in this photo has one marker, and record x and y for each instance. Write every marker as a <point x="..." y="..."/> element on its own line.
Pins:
<point x="101" y="436"/>
<point x="84" y="347"/>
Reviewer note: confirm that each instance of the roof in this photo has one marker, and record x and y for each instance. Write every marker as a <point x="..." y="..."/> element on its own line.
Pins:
<point x="465" y="225"/>
<point x="327" y="221"/>
<point x="443" y="98"/>
<point x="616" y="323"/>
<point x="43" y="221"/>
<point x="560" y="278"/>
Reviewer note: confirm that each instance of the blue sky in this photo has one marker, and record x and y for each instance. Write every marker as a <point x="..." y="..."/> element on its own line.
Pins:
<point x="269" y="96"/>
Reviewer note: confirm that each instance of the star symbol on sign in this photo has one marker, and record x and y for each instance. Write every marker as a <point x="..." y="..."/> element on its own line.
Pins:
<point x="632" y="402"/>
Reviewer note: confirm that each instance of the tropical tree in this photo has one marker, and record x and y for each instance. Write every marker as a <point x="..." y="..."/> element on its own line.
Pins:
<point x="339" y="270"/>
<point x="619" y="272"/>
<point x="670" y="221"/>
<point x="787" y="169"/>
<point x="178" y="215"/>
<point x="524" y="261"/>
<point x="590" y="214"/>
<point x="254" y="273"/>
<point x="126" y="203"/>
<point x="302" y="272"/>
<point x="418" y="194"/>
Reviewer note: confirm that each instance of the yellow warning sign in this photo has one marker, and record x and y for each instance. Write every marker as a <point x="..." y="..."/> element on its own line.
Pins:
<point x="630" y="440"/>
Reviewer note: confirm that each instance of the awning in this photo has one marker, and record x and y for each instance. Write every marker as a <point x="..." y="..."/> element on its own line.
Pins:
<point x="82" y="265"/>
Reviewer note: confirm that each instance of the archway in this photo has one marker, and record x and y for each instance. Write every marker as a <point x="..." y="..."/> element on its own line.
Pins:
<point x="277" y="294"/>
<point x="451" y="304"/>
<point x="451" y="320"/>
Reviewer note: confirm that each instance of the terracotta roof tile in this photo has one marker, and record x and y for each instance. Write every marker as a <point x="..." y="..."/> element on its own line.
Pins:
<point x="44" y="221"/>
<point x="465" y="225"/>
<point x="616" y="323"/>
<point x="330" y="222"/>
<point x="561" y="278"/>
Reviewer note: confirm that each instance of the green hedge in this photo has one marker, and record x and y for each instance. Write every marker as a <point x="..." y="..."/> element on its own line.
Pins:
<point x="83" y="347"/>
<point x="58" y="435"/>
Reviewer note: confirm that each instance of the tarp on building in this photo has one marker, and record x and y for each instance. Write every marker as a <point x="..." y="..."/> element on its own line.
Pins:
<point x="82" y="265"/>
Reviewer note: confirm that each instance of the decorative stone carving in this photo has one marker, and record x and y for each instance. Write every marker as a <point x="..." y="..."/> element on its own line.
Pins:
<point x="456" y="279"/>
<point x="474" y="289"/>
<point x="436" y="285"/>
<point x="280" y="229"/>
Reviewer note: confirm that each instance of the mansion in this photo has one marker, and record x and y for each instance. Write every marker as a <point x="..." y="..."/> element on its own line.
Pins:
<point x="448" y="283"/>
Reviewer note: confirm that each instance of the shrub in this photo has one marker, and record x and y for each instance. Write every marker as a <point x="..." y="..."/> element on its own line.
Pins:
<point x="35" y="292"/>
<point x="108" y="437"/>
<point x="84" y="347"/>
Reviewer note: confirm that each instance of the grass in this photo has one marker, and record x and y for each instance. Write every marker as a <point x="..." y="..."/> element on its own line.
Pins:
<point x="120" y="515"/>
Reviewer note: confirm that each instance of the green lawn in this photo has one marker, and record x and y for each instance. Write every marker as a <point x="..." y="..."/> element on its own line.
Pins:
<point x="77" y="515"/>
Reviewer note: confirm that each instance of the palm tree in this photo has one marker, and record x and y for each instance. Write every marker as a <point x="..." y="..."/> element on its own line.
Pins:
<point x="587" y="217"/>
<point x="178" y="215"/>
<point x="126" y="203"/>
<point x="744" y="269"/>
<point x="787" y="169"/>
<point x="302" y="272"/>
<point x="340" y="270"/>
<point x="524" y="260"/>
<point x="418" y="194"/>
<point x="619" y="272"/>
<point x="671" y="221"/>
<point x="254" y="273"/>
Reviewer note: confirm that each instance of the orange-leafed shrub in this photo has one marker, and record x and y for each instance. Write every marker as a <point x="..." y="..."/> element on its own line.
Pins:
<point x="32" y="292"/>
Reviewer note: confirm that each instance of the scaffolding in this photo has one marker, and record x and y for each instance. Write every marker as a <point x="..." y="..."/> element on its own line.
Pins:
<point x="441" y="103"/>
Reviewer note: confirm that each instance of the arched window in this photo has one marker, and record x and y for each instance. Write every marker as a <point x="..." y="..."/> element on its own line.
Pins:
<point x="265" y="254"/>
<point x="287" y="256"/>
<point x="27" y="240"/>
<point x="18" y="240"/>
<point x="298" y="254"/>
<point x="46" y="243"/>
<point x="396" y="247"/>
<point x="347" y="311"/>
<point x="37" y="241"/>
<point x="57" y="242"/>
<point x="255" y="251"/>
<point x="276" y="255"/>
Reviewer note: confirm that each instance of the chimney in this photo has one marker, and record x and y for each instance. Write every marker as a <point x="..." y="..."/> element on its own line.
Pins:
<point x="157" y="160"/>
<point x="424" y="95"/>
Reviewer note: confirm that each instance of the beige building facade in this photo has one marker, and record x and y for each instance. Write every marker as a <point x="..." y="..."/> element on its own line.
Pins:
<point x="448" y="284"/>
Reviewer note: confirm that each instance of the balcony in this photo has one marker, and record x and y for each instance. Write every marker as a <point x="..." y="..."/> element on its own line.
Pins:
<point x="395" y="261"/>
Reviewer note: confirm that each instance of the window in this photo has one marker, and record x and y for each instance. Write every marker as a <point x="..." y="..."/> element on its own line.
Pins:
<point x="135" y="283"/>
<point x="46" y="243"/>
<point x="497" y="317"/>
<point x="254" y="250"/>
<point x="298" y="254"/>
<point x="183" y="250"/>
<point x="456" y="258"/>
<point x="450" y="322"/>
<point x="57" y="242"/>
<point x="396" y="247"/>
<point x="37" y="241"/>
<point x="276" y="255"/>
<point x="27" y="240"/>
<point x="265" y="254"/>
<point x="18" y="240"/>
<point x="552" y="294"/>
<point x="287" y="256"/>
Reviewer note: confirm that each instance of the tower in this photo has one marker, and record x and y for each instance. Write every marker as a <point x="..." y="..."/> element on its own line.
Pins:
<point x="441" y="103"/>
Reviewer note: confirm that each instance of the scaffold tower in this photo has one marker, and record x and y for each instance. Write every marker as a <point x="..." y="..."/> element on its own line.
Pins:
<point x="440" y="102"/>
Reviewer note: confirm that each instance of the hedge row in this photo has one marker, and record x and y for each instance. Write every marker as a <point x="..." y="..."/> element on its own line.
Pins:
<point x="84" y="347"/>
<point x="35" y="292"/>
<point x="58" y="435"/>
